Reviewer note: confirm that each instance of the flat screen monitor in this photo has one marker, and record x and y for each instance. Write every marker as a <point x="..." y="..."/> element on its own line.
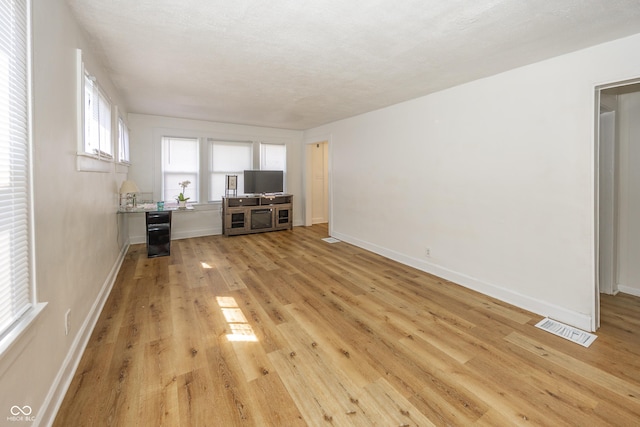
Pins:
<point x="263" y="181"/>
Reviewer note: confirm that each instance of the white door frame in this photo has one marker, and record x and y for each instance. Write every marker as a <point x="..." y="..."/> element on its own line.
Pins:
<point x="308" y="178"/>
<point x="608" y="212"/>
<point x="595" y="323"/>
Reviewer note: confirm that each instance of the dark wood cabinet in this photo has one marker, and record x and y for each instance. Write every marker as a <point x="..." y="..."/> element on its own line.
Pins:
<point x="256" y="214"/>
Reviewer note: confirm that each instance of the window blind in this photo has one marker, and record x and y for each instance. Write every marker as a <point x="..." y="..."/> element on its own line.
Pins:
<point x="97" y="120"/>
<point x="180" y="162"/>
<point x="273" y="157"/>
<point x="15" y="259"/>
<point x="228" y="158"/>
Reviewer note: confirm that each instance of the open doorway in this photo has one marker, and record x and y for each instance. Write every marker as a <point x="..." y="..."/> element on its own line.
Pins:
<point x="618" y="191"/>
<point x="317" y="184"/>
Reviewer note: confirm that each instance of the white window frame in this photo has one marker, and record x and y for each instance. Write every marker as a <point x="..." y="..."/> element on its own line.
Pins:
<point x="24" y="314"/>
<point x="123" y="141"/>
<point x="194" y="197"/>
<point x="263" y="147"/>
<point x="99" y="143"/>
<point x="92" y="159"/>
<point x="205" y="166"/>
<point x="211" y="171"/>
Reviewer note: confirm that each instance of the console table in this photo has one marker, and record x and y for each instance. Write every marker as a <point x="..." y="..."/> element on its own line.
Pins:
<point x="257" y="213"/>
<point x="158" y="226"/>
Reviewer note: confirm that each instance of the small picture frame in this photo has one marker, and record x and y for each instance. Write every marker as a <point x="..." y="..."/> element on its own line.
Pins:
<point x="232" y="182"/>
<point x="231" y="185"/>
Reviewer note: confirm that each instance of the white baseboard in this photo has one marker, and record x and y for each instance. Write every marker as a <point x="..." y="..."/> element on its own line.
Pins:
<point x="629" y="290"/>
<point x="61" y="384"/>
<point x="134" y="240"/>
<point x="544" y="309"/>
<point x="195" y="233"/>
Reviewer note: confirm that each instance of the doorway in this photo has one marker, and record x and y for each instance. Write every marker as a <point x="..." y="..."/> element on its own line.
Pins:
<point x="317" y="183"/>
<point x="617" y="191"/>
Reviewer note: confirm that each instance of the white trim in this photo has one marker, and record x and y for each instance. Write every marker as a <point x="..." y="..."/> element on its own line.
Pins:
<point x="20" y="332"/>
<point x="62" y="381"/>
<point x="595" y="150"/>
<point x="595" y="145"/>
<point x="88" y="163"/>
<point x="210" y="171"/>
<point x="629" y="290"/>
<point x="31" y="213"/>
<point x="79" y="102"/>
<point x="544" y="309"/>
<point x="98" y="160"/>
<point x="118" y="134"/>
<point x="618" y="83"/>
<point x="122" y="167"/>
<point x="18" y="335"/>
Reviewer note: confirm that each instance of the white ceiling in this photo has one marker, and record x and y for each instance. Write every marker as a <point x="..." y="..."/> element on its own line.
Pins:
<point x="296" y="64"/>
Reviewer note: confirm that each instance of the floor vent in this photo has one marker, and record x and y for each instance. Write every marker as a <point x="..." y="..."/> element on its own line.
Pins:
<point x="331" y="240"/>
<point x="567" y="332"/>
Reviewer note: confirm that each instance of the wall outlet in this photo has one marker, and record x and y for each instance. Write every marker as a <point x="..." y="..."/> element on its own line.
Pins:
<point x="67" y="324"/>
<point x="427" y="252"/>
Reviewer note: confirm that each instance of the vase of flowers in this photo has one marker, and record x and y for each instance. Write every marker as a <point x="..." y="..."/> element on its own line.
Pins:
<point x="182" y="201"/>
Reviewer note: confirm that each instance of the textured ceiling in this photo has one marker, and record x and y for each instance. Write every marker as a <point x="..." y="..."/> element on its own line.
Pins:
<point x="296" y="64"/>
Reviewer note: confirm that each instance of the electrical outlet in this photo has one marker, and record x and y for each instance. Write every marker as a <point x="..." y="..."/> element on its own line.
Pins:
<point x="427" y="252"/>
<point x="67" y="324"/>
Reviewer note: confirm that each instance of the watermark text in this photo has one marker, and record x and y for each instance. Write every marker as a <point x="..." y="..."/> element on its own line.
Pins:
<point x="21" y="413"/>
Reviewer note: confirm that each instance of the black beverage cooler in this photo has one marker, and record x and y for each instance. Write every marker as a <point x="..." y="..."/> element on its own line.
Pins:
<point x="158" y="233"/>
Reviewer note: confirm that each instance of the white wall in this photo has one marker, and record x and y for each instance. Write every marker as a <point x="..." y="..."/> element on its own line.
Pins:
<point x="78" y="247"/>
<point x="629" y="193"/>
<point x="494" y="177"/>
<point x="145" y="134"/>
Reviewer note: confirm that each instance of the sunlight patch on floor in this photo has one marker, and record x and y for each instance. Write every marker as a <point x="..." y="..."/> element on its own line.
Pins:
<point x="240" y="328"/>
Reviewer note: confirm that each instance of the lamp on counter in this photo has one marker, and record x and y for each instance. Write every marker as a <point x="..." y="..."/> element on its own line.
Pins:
<point x="128" y="189"/>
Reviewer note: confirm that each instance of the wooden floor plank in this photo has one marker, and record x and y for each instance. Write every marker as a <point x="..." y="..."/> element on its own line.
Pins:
<point x="626" y="390"/>
<point x="283" y="328"/>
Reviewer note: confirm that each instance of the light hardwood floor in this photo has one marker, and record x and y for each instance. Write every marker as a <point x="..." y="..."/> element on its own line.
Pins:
<point x="283" y="329"/>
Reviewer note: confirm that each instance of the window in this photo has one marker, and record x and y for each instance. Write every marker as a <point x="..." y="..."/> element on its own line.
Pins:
<point x="16" y="296"/>
<point x="97" y="124"/>
<point x="180" y="162"/>
<point x="228" y="158"/>
<point x="96" y="151"/>
<point x="123" y="141"/>
<point x="274" y="157"/>
<point x="206" y="162"/>
<point x="97" y="120"/>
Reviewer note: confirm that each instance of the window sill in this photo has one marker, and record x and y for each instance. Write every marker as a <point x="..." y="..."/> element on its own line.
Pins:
<point x="122" y="167"/>
<point x="89" y="163"/>
<point x="12" y="344"/>
<point x="201" y="206"/>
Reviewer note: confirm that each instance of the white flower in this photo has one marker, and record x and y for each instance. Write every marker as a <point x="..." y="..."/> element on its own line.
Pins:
<point x="184" y="185"/>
